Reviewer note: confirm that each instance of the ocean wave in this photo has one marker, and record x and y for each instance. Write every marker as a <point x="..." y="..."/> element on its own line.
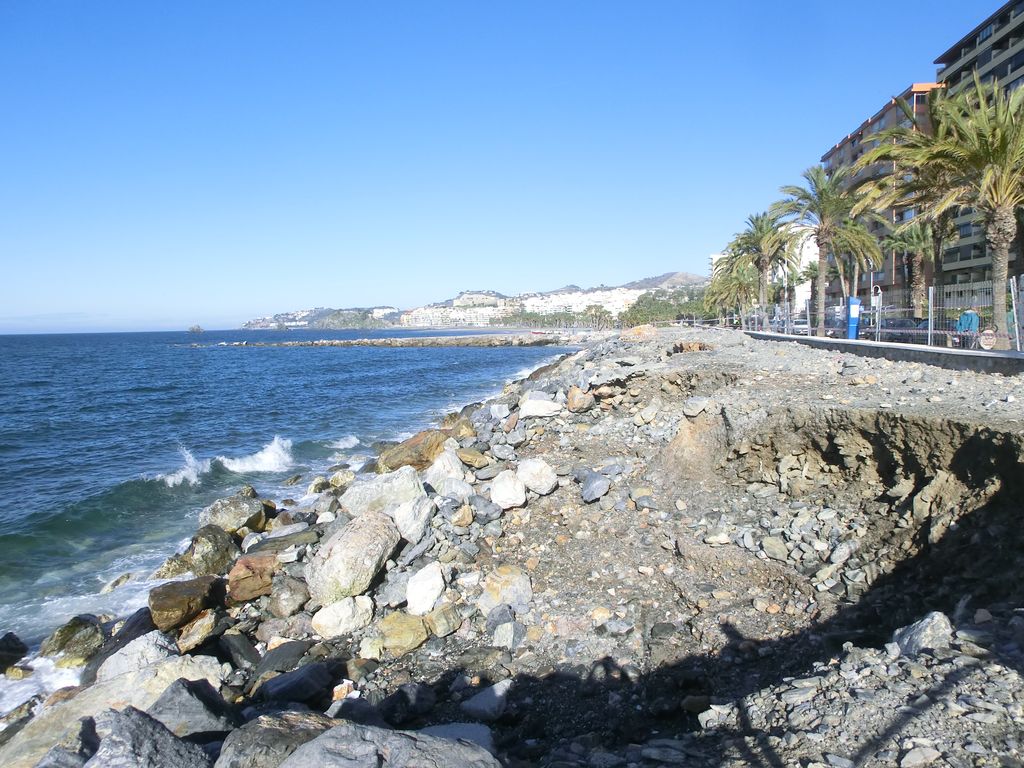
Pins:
<point x="275" y="456"/>
<point x="346" y="443"/>
<point x="190" y="473"/>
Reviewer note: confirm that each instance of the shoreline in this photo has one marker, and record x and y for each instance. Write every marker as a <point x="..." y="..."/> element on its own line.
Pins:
<point x="623" y="470"/>
<point x="484" y="340"/>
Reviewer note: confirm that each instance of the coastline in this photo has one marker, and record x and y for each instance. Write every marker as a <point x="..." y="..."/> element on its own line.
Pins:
<point x="618" y="470"/>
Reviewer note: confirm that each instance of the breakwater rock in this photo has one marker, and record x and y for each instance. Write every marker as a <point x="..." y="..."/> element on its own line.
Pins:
<point x="670" y="548"/>
<point x="536" y="339"/>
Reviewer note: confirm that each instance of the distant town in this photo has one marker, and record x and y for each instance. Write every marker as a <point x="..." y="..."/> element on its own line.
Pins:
<point x="666" y="295"/>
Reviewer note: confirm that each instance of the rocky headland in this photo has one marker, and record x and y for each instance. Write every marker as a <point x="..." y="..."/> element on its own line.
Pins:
<point x="676" y="547"/>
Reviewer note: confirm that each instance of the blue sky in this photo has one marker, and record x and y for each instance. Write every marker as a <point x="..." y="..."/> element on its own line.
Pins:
<point x="172" y="163"/>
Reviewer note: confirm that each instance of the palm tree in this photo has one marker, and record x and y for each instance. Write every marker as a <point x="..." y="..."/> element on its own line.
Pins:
<point x="732" y="287"/>
<point x="765" y="246"/>
<point x="915" y="241"/>
<point x="975" y="158"/>
<point x="855" y="246"/>
<point x="823" y="205"/>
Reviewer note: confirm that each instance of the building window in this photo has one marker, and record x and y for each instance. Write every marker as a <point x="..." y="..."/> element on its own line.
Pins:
<point x="986" y="33"/>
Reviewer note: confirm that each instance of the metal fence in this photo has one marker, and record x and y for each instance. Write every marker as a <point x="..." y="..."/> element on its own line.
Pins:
<point x="957" y="316"/>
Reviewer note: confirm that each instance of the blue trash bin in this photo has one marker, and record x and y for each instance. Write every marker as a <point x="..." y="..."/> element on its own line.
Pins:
<point x="852" y="317"/>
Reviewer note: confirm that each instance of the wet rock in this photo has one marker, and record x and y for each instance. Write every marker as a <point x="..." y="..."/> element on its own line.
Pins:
<point x="12" y="650"/>
<point x="234" y="513"/>
<point x="251" y="577"/>
<point x="365" y="745"/>
<point x="193" y="708"/>
<point x="283" y="657"/>
<point x="537" y="475"/>
<point x="133" y="739"/>
<point x="342" y="479"/>
<point x="266" y="741"/>
<point x="932" y="632"/>
<point x="506" y="585"/>
<point x="178" y="602"/>
<point x="78" y="640"/>
<point x="418" y="452"/>
<point x="210" y="553"/>
<point x="343" y="617"/>
<point x="349" y="560"/>
<point x="424" y="588"/>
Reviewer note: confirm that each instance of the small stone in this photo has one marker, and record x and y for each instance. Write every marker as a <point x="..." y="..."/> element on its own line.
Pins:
<point x="919" y="756"/>
<point x="400" y="633"/>
<point x="775" y="548"/>
<point x="424" y="588"/>
<point x="343" y="617"/>
<point x="490" y="703"/>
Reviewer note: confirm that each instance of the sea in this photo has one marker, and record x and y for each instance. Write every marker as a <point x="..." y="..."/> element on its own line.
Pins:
<point x="111" y="444"/>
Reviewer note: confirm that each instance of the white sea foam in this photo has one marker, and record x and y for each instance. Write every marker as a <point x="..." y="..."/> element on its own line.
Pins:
<point x="190" y="473"/>
<point x="45" y="679"/>
<point x="346" y="443"/>
<point x="275" y="456"/>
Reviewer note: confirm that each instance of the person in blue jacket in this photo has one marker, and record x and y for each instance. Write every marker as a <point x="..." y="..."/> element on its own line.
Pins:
<point x="967" y="326"/>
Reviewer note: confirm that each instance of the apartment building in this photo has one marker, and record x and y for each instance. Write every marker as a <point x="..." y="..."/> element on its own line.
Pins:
<point x="892" y="273"/>
<point x="995" y="50"/>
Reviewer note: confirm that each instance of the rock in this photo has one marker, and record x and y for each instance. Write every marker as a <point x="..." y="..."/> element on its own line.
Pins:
<point x="343" y="617"/>
<point x="593" y="486"/>
<point x="507" y="490"/>
<point x="135" y="626"/>
<point x="775" y="548"/>
<point x="932" y="632"/>
<point x="193" y="708"/>
<point x="400" y="633"/>
<point x="695" y="406"/>
<point x="418" y="452"/>
<point x="424" y="588"/>
<point x="251" y="577"/>
<point x="446" y="466"/>
<point x="133" y="739"/>
<point x="490" y="703"/>
<point x="366" y="746"/>
<point x="509" y="635"/>
<point x="78" y="640"/>
<point x="266" y="741"/>
<point x="239" y="649"/>
<point x="443" y="620"/>
<point x="210" y="553"/>
<point x="539" y="409"/>
<point x="308" y="683"/>
<point x="282" y="658"/>
<point x="501" y="452"/>
<point x="137" y="689"/>
<point x="412" y="518"/>
<point x="472" y="458"/>
<point x="342" y="479"/>
<point x="578" y="401"/>
<point x="476" y="733"/>
<point x="349" y="560"/>
<point x="499" y="411"/>
<point x="201" y="629"/>
<point x="178" y="602"/>
<point x="387" y="490"/>
<point x="75" y="749"/>
<point x="454" y="488"/>
<point x="287" y="596"/>
<point x="410" y="701"/>
<point x="506" y="585"/>
<point x="537" y="475"/>
<point x="234" y="513"/>
<point x="919" y="756"/>
<point x="12" y="650"/>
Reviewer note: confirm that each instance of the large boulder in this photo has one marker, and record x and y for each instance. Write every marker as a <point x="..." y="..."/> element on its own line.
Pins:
<point x="136" y="689"/>
<point x="367" y="746"/>
<point x="78" y="640"/>
<point x="149" y="649"/>
<point x="193" y="708"/>
<point x="12" y="649"/>
<point x="252" y="576"/>
<point x="537" y="475"/>
<point x="133" y="739"/>
<point x="349" y="560"/>
<point x="266" y="741"/>
<point x="343" y="617"/>
<point x="134" y="627"/>
<point x="507" y="490"/>
<point x="210" y="553"/>
<point x="418" y="452"/>
<point x="233" y="513"/>
<point x="377" y="494"/>
<point x="178" y="602"/>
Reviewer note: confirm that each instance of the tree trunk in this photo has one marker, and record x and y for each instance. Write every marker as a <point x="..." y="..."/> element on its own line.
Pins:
<point x="918" y="292"/>
<point x="819" y="299"/>
<point x="762" y="297"/>
<point x="1000" y="229"/>
<point x="854" y="278"/>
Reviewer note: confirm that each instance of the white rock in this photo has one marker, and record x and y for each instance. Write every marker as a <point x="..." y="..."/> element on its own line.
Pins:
<point x="377" y="494"/>
<point x="499" y="411"/>
<point x="537" y="475"/>
<point x="446" y="465"/>
<point x="542" y="409"/>
<point x="141" y="652"/>
<point x="343" y="617"/>
<point x="454" y="488"/>
<point x="424" y="588"/>
<point x="933" y="631"/>
<point x="412" y="518"/>
<point x="348" y="561"/>
<point x="507" y="490"/>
